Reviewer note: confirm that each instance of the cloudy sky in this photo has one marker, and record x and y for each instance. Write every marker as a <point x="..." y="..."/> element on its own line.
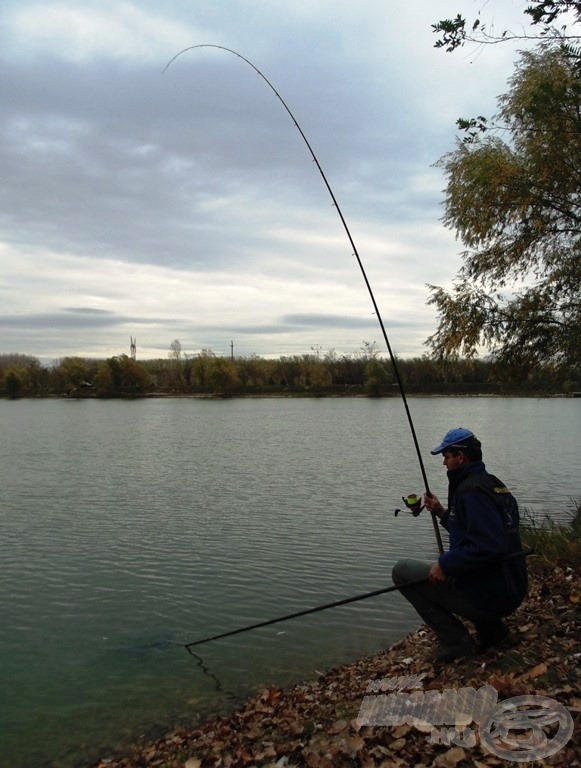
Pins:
<point x="185" y="205"/>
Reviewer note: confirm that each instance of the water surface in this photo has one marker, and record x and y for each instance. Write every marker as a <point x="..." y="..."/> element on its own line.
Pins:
<point x="130" y="528"/>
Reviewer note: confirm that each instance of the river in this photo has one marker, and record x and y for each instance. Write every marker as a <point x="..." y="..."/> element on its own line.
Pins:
<point x="128" y="528"/>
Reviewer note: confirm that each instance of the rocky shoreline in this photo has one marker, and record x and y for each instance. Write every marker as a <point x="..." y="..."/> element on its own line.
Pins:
<point x="322" y="724"/>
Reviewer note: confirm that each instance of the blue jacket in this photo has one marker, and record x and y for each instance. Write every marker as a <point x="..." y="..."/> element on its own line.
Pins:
<point x="483" y="522"/>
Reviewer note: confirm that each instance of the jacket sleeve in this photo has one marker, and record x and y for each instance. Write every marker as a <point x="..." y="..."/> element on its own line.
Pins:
<point x="444" y="520"/>
<point x="481" y="535"/>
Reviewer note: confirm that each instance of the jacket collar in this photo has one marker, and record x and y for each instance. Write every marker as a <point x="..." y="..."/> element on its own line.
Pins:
<point x="457" y="475"/>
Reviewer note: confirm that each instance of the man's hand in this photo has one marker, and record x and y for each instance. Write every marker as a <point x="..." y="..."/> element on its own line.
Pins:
<point x="432" y="504"/>
<point x="436" y="573"/>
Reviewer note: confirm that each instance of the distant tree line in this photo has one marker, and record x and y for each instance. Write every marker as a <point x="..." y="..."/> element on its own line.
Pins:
<point x="316" y="373"/>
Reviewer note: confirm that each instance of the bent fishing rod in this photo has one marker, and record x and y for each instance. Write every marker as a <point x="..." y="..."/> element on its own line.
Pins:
<point x="335" y="604"/>
<point x="355" y="253"/>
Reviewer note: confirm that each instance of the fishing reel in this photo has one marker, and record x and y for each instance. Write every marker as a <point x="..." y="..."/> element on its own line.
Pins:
<point x="413" y="503"/>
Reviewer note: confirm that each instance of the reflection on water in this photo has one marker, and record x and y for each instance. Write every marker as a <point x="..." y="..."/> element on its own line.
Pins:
<point x="131" y="528"/>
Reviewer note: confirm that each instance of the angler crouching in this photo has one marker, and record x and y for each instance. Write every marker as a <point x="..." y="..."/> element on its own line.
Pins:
<point x="474" y="580"/>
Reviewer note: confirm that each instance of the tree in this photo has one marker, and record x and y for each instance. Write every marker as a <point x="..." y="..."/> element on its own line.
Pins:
<point x="551" y="20"/>
<point x="175" y="355"/>
<point x="200" y="366"/>
<point x="121" y="374"/>
<point x="369" y="351"/>
<point x="315" y="373"/>
<point x="104" y="382"/>
<point x="36" y="375"/>
<point x="13" y="383"/>
<point x="377" y="377"/>
<point x="72" y="372"/>
<point x="134" y="377"/>
<point x="516" y="205"/>
<point x="175" y="350"/>
<point x="222" y="375"/>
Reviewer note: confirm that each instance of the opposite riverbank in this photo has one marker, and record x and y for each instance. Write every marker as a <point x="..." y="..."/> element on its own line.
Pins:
<point x="363" y="372"/>
<point x="320" y="723"/>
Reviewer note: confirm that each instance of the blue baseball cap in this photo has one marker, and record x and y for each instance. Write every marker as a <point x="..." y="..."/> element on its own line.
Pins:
<point x="454" y="438"/>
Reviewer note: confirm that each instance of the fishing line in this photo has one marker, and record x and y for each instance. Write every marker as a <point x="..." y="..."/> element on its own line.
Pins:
<point x="355" y="253"/>
<point x="206" y="671"/>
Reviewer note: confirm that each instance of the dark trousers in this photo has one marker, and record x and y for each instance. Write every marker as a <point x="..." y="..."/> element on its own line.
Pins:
<point x="440" y="603"/>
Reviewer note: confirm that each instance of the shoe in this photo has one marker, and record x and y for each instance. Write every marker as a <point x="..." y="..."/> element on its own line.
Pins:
<point x="462" y="649"/>
<point x="487" y="637"/>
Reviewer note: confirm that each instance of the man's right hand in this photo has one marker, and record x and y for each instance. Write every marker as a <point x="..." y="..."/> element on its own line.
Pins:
<point x="432" y="504"/>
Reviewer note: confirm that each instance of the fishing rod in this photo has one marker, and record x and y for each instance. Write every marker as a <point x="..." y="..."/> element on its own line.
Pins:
<point x="335" y="604"/>
<point x="306" y="612"/>
<point x="355" y="253"/>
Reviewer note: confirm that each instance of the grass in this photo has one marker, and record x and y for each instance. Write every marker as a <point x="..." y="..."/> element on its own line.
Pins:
<point x="553" y="542"/>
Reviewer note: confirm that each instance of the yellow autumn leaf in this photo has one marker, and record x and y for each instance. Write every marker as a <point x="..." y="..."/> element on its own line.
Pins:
<point x="450" y="758"/>
<point x="537" y="671"/>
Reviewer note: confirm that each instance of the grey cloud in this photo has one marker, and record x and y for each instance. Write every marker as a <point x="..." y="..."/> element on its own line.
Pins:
<point x="87" y="311"/>
<point x="119" y="162"/>
<point x="201" y="168"/>
<point x="341" y="321"/>
<point x="71" y="319"/>
<point x="327" y="321"/>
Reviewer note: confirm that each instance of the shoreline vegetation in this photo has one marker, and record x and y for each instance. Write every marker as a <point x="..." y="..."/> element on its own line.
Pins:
<point x="319" y="723"/>
<point x="311" y="375"/>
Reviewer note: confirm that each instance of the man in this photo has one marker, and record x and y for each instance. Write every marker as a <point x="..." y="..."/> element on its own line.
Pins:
<point x="473" y="580"/>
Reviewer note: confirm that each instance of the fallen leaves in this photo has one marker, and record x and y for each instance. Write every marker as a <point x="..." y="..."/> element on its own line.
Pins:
<point x="451" y="758"/>
<point x="314" y="725"/>
<point x="338" y="727"/>
<point x="536" y="671"/>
